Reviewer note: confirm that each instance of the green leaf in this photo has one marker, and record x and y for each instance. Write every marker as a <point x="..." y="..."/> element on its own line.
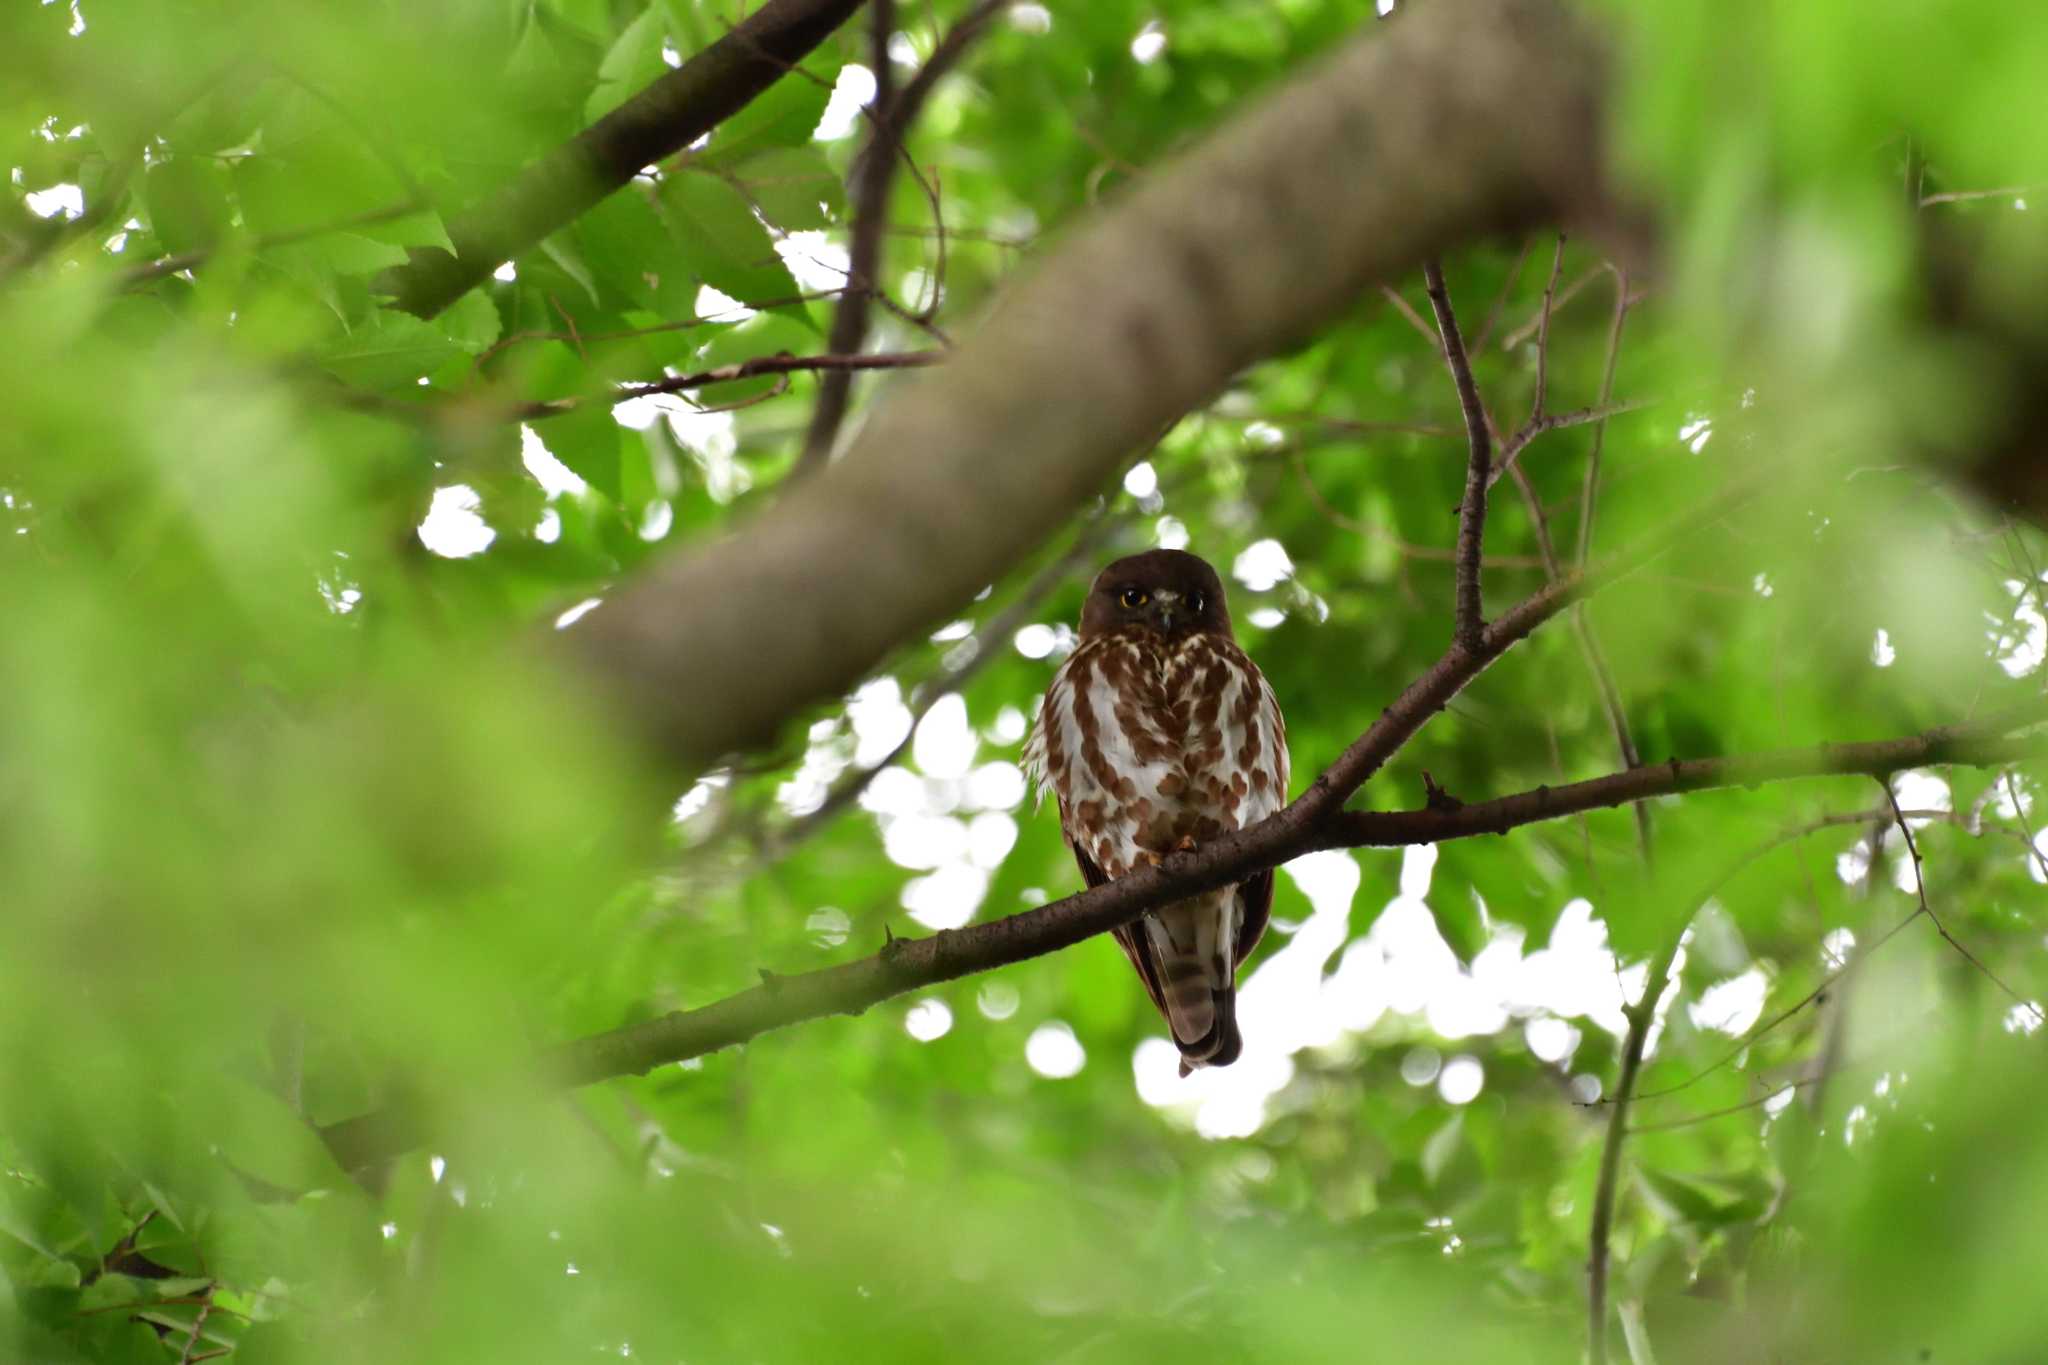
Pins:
<point x="587" y="440"/>
<point x="1703" y="1202"/>
<point x="627" y="246"/>
<point x="260" y="1136"/>
<point x="342" y="252"/>
<point x="111" y="1289"/>
<point x="632" y="63"/>
<point x="1458" y="919"/>
<point x="721" y="242"/>
<point x="471" y="322"/>
<point x="561" y="249"/>
<point x="793" y="187"/>
<point x="423" y="228"/>
<point x="187" y="197"/>
<point x="784" y="115"/>
<point x="391" y="348"/>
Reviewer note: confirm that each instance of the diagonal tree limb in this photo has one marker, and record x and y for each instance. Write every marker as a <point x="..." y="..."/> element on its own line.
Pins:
<point x="1314" y="820"/>
<point x="1142" y="315"/>
<point x="659" y="121"/>
<point x="908" y="964"/>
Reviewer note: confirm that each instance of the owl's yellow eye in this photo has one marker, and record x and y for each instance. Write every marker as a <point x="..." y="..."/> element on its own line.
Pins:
<point x="1197" y="601"/>
<point x="1134" y="598"/>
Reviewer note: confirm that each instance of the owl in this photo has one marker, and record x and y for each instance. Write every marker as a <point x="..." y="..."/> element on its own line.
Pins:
<point x="1158" y="733"/>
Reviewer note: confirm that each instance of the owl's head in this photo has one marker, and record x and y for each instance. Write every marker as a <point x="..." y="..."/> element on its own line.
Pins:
<point x="1169" y="592"/>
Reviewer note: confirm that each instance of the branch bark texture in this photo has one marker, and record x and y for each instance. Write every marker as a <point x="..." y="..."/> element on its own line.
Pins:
<point x="1464" y="117"/>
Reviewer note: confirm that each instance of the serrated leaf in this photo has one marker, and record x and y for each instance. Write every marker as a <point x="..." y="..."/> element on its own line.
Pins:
<point x="721" y="242"/>
<point x="471" y="322"/>
<point x="345" y="252"/>
<point x="389" y="349"/>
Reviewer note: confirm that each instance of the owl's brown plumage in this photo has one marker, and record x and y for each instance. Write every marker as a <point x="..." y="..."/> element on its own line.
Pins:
<point x="1158" y="732"/>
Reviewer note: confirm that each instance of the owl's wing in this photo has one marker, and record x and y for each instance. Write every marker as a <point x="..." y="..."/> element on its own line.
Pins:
<point x="1255" y="900"/>
<point x="1129" y="937"/>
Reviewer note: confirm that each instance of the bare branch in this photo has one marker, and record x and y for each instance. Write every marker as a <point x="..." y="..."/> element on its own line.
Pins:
<point x="1470" y="622"/>
<point x="1512" y="448"/>
<point x="1309" y="824"/>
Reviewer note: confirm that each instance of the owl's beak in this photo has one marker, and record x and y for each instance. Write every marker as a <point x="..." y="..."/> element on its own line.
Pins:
<point x="1164" y="614"/>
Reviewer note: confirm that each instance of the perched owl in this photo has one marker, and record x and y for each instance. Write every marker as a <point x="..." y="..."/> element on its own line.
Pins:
<point x="1158" y="733"/>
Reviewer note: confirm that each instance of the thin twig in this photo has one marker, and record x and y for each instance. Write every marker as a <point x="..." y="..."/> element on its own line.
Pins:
<point x="1640" y="1017"/>
<point x="725" y="374"/>
<point x="1500" y="300"/>
<point x="1512" y="448"/>
<point x="1770" y="1025"/>
<point x="1920" y="886"/>
<point x="1543" y="342"/>
<point x="1406" y="550"/>
<point x="1590" y="492"/>
<point x="1470" y="622"/>
<point x="1965" y="196"/>
<point x="1664" y="1125"/>
<point x="1564" y="296"/>
<point x="1407" y="310"/>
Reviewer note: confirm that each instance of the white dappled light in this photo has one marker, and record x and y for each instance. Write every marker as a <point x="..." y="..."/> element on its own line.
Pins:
<point x="1053" y="1051"/>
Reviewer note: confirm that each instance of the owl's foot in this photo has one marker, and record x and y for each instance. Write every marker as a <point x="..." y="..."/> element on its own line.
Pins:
<point x="1186" y="844"/>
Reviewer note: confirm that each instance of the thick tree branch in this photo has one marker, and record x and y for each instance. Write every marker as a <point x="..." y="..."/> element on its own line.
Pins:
<point x="1141" y="316"/>
<point x="1470" y="619"/>
<point x="659" y="121"/>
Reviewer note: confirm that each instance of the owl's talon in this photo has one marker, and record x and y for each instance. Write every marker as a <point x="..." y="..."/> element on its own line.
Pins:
<point x="1186" y="844"/>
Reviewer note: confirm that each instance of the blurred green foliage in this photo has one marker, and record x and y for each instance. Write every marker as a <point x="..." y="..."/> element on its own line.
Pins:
<point x="283" y="839"/>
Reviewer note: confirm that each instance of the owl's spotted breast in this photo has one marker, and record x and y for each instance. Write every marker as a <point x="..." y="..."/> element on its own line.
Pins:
<point x="1148" y="743"/>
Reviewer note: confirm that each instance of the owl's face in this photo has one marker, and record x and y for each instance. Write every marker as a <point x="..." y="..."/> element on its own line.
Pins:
<point x="1170" y="593"/>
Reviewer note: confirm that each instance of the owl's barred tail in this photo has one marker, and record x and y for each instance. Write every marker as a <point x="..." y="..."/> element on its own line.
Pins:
<point x="1191" y="949"/>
